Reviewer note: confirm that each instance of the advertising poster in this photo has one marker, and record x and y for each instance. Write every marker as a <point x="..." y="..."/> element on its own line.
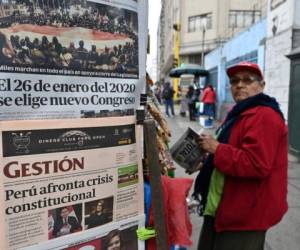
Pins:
<point x="71" y="58"/>
<point x="64" y="178"/>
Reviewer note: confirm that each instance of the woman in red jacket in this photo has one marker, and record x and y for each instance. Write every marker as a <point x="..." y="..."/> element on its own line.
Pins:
<point x="209" y="99"/>
<point x="247" y="168"/>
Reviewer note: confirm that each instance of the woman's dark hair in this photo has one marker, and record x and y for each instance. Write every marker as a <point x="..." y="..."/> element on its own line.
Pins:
<point x="111" y="235"/>
<point x="93" y="210"/>
<point x="210" y="86"/>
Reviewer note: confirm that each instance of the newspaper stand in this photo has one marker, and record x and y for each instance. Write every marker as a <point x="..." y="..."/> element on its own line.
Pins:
<point x="155" y="184"/>
<point x="41" y="93"/>
<point x="145" y="117"/>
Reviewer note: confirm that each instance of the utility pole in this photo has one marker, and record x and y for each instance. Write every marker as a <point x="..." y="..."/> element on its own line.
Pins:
<point x="176" y="55"/>
<point x="203" y="27"/>
<point x="202" y="50"/>
<point x="253" y="14"/>
<point x="177" y="28"/>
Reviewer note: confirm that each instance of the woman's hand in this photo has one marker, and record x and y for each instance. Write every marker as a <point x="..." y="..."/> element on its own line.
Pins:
<point x="208" y="143"/>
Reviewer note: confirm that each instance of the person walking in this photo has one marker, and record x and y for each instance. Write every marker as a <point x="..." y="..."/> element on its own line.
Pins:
<point x="243" y="181"/>
<point x="167" y="94"/>
<point x="209" y="99"/>
<point x="191" y="102"/>
<point x="157" y="93"/>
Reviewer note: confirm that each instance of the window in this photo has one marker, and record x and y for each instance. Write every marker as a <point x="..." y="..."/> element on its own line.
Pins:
<point x="195" y="59"/>
<point x="196" y="22"/>
<point x="243" y="18"/>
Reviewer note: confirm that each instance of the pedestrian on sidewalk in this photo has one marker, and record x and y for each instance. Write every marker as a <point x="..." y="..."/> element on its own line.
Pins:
<point x="190" y="96"/>
<point x="183" y="101"/>
<point x="243" y="181"/>
<point x="157" y="93"/>
<point x="209" y="99"/>
<point x="167" y="94"/>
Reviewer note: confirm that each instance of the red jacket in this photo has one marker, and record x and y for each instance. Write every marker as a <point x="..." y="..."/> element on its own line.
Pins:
<point x="255" y="165"/>
<point x="209" y="96"/>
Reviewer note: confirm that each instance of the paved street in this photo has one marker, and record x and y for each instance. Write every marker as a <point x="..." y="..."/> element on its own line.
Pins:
<point x="284" y="236"/>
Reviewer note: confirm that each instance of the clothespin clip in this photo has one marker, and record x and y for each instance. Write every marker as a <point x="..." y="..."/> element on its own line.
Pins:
<point x="145" y="233"/>
<point x="140" y="116"/>
<point x="143" y="99"/>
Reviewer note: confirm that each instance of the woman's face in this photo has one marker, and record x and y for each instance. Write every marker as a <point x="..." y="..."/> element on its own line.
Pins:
<point x="244" y="84"/>
<point x="114" y="243"/>
<point x="99" y="207"/>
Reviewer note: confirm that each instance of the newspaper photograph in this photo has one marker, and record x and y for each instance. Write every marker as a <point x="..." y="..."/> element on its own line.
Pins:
<point x="65" y="177"/>
<point x="85" y="38"/>
<point x="117" y="235"/>
<point x="57" y="55"/>
<point x="186" y="151"/>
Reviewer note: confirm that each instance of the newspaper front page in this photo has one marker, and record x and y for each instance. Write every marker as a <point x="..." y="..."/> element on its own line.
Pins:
<point x="71" y="59"/>
<point x="62" y="178"/>
<point x="118" y="235"/>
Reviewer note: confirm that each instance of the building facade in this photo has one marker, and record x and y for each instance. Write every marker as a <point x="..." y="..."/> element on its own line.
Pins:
<point x="168" y="17"/>
<point x="274" y="44"/>
<point x="204" y="25"/>
<point x="282" y="67"/>
<point x="246" y="46"/>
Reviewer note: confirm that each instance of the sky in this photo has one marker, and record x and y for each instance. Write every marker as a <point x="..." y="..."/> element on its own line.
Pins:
<point x="153" y="18"/>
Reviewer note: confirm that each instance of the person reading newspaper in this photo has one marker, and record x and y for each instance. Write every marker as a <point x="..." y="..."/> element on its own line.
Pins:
<point x="246" y="170"/>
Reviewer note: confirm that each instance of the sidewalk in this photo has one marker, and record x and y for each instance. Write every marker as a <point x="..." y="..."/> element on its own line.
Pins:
<point x="285" y="235"/>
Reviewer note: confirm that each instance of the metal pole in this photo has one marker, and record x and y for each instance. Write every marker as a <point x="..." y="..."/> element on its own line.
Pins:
<point x="176" y="56"/>
<point x="202" y="51"/>
<point x="34" y="5"/>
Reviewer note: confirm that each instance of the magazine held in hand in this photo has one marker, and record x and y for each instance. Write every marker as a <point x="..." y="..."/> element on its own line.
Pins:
<point x="186" y="151"/>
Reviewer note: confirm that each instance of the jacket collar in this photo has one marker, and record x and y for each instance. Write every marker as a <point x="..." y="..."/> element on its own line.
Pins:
<point x="250" y="111"/>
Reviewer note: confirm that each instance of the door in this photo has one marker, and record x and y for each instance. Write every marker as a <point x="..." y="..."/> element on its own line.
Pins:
<point x="294" y="108"/>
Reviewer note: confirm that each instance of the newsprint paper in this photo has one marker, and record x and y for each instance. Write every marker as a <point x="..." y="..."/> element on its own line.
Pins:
<point x="64" y="178"/>
<point x="72" y="59"/>
<point x="101" y="240"/>
<point x="186" y="151"/>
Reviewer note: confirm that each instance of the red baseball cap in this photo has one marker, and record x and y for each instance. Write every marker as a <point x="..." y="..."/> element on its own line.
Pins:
<point x="253" y="67"/>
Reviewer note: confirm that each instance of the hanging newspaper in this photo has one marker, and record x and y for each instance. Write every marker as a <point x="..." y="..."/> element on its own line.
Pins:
<point x="71" y="59"/>
<point x="186" y="151"/>
<point x="65" y="177"/>
<point x="119" y="235"/>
